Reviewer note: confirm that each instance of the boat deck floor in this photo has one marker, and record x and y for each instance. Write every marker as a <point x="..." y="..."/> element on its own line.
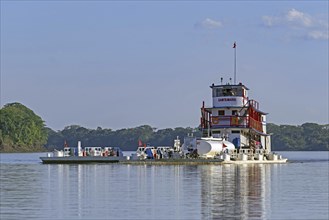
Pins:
<point x="122" y="160"/>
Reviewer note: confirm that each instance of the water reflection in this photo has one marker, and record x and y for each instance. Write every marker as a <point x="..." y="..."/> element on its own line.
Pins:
<point x="112" y="191"/>
<point x="136" y="192"/>
<point x="123" y="191"/>
<point x="176" y="192"/>
<point x="235" y="191"/>
<point x="78" y="190"/>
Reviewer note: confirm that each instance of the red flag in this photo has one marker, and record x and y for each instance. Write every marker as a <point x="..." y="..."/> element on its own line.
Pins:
<point x="140" y="143"/>
<point x="224" y="145"/>
<point x="234" y="45"/>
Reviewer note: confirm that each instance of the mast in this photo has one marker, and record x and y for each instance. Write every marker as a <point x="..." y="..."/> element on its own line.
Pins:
<point x="234" y="47"/>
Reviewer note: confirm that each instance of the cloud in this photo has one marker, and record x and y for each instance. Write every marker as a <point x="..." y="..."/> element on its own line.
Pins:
<point x="209" y="23"/>
<point x="318" y="35"/>
<point x="311" y="27"/>
<point x="299" y="18"/>
<point x="269" y="21"/>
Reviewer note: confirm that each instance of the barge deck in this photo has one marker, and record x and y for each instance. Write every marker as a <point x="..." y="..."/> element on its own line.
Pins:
<point x="122" y="160"/>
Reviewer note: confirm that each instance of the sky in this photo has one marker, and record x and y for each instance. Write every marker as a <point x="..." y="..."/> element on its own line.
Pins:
<point x="122" y="64"/>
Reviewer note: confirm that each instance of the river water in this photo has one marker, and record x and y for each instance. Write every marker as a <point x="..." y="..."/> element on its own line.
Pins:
<point x="296" y="190"/>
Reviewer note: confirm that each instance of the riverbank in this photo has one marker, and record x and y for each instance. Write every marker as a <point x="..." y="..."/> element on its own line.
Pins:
<point x="19" y="149"/>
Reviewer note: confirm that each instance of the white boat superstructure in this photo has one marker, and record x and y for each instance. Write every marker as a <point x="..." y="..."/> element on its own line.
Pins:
<point x="233" y="125"/>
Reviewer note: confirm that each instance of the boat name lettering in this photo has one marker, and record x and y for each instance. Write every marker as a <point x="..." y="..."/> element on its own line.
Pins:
<point x="227" y="99"/>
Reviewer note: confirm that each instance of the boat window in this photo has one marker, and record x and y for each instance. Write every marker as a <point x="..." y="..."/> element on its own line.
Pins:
<point x="216" y="92"/>
<point x="221" y="112"/>
<point x="229" y="92"/>
<point x="239" y="92"/>
<point x="234" y="112"/>
<point x="263" y="118"/>
<point x="235" y="132"/>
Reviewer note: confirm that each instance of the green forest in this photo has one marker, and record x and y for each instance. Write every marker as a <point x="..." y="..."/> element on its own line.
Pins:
<point x="21" y="130"/>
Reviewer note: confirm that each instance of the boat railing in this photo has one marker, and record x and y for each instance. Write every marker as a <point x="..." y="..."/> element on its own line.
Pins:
<point x="255" y="124"/>
<point x="229" y="121"/>
<point x="254" y="104"/>
<point x="249" y="153"/>
<point x="236" y="121"/>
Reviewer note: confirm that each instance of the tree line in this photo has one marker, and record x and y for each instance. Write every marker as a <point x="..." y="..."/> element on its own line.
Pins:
<point x="21" y="130"/>
<point x="126" y="139"/>
<point x="308" y="136"/>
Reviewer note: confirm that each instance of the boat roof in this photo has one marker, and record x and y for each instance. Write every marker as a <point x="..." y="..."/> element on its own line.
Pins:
<point x="258" y="132"/>
<point x="208" y="109"/>
<point x="229" y="86"/>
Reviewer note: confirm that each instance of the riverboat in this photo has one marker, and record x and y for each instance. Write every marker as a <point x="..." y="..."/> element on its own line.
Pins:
<point x="233" y="131"/>
<point x="233" y="128"/>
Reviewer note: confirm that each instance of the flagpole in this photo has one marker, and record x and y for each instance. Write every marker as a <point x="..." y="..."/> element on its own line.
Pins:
<point x="234" y="46"/>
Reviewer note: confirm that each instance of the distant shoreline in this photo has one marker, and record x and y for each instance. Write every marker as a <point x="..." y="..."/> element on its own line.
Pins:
<point x="34" y="150"/>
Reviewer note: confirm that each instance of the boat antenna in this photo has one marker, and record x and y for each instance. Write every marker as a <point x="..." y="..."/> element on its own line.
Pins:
<point x="234" y="47"/>
<point x="221" y="80"/>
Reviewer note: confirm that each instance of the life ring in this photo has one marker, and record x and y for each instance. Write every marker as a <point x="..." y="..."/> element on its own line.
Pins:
<point x="215" y="120"/>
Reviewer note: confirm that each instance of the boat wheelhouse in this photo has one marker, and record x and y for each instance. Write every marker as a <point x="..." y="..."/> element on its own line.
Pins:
<point x="236" y="118"/>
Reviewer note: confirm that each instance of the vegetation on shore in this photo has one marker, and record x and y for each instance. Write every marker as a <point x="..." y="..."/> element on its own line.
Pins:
<point x="308" y="136"/>
<point x="305" y="137"/>
<point x="126" y="139"/>
<point x="23" y="131"/>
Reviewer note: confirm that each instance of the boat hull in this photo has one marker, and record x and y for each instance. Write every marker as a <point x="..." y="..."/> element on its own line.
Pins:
<point x="123" y="160"/>
<point x="200" y="161"/>
<point x="77" y="160"/>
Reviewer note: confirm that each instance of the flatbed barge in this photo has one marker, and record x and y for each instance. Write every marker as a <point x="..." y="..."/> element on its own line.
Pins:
<point x="123" y="160"/>
<point x="80" y="160"/>
<point x="198" y="162"/>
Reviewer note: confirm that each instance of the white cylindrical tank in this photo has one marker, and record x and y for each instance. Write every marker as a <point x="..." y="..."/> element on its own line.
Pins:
<point x="210" y="148"/>
<point x="228" y="145"/>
